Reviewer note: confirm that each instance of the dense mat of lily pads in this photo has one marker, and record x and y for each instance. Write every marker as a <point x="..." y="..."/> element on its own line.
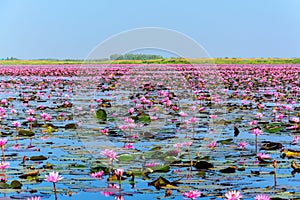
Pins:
<point x="150" y="131"/>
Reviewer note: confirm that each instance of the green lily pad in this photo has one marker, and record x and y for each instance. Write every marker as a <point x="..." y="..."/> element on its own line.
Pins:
<point x="227" y="141"/>
<point x="160" y="168"/>
<point x="142" y="118"/>
<point x="275" y="129"/>
<point x="38" y="158"/>
<point x="170" y="159"/>
<point x="16" y="184"/>
<point x="101" y="115"/>
<point x="71" y="126"/>
<point x="24" y="132"/>
<point x="126" y="157"/>
<point x="99" y="168"/>
<point x="4" y="185"/>
<point x="30" y="175"/>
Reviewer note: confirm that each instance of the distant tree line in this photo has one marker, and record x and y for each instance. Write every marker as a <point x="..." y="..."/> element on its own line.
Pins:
<point x="135" y="57"/>
<point x="11" y="58"/>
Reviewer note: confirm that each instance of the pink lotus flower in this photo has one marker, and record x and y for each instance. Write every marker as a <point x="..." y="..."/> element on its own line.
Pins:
<point x="193" y="108"/>
<point x="16" y="124"/>
<point x="153" y="164"/>
<point x="3" y="101"/>
<point x="243" y="144"/>
<point x="16" y="146"/>
<point x="201" y="109"/>
<point x="129" y="146"/>
<point x="109" y="154"/>
<point x="213" y="116"/>
<point x="288" y="108"/>
<point x="13" y="111"/>
<point x="260" y="106"/>
<point x="192" y="194"/>
<point x="279" y="116"/>
<point x="3" y="141"/>
<point x="53" y="177"/>
<point x="292" y="127"/>
<point x="119" y="197"/>
<point x="4" y="165"/>
<point x="213" y="144"/>
<point x="30" y="119"/>
<point x="233" y="195"/>
<point x="252" y="123"/>
<point x="262" y="197"/>
<point x="46" y="117"/>
<point x="262" y="156"/>
<point x="123" y="127"/>
<point x="257" y="131"/>
<point x="178" y="145"/>
<point x="34" y="198"/>
<point x="97" y="174"/>
<point x="128" y="120"/>
<point x="134" y="136"/>
<point x="186" y="122"/>
<point x="183" y="114"/>
<point x="131" y="110"/>
<point x="295" y="119"/>
<point x="259" y="115"/>
<point x="30" y="112"/>
<point x="104" y="131"/>
<point x="175" y="108"/>
<point x="193" y="120"/>
<point x="187" y="144"/>
<point x="153" y="118"/>
<point x="295" y="140"/>
<point x="119" y="172"/>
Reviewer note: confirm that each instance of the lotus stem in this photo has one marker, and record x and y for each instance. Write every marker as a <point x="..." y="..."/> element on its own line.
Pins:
<point x="3" y="154"/>
<point x="256" y="143"/>
<point x="275" y="166"/>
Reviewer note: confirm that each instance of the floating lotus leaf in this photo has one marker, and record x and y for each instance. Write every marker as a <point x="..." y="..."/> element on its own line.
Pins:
<point x="160" y="168"/>
<point x="32" y="174"/>
<point x="4" y="185"/>
<point x="126" y="157"/>
<point x="271" y="146"/>
<point x="142" y="118"/>
<point x="24" y="132"/>
<point x="71" y="126"/>
<point x="15" y="184"/>
<point x="274" y="129"/>
<point x="226" y="141"/>
<point x="162" y="182"/>
<point x="289" y="153"/>
<point x="170" y="159"/>
<point x="38" y="158"/>
<point x="203" y="165"/>
<point x="101" y="115"/>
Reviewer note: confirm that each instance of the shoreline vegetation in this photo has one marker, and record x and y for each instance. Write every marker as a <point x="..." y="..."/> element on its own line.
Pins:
<point x="157" y="61"/>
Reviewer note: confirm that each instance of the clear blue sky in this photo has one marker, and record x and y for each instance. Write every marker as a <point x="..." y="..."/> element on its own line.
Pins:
<point x="33" y="29"/>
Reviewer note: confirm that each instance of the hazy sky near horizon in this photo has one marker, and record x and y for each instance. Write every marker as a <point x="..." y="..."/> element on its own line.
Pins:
<point x="61" y="29"/>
